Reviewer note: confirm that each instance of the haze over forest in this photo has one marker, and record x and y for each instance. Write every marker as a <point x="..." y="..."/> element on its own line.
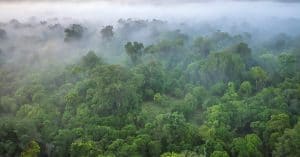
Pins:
<point x="149" y="78"/>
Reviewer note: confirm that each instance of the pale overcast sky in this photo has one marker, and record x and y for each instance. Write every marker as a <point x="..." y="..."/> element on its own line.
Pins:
<point x="154" y="1"/>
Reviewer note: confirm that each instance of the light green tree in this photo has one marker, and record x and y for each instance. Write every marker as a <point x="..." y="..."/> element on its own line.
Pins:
<point x="32" y="150"/>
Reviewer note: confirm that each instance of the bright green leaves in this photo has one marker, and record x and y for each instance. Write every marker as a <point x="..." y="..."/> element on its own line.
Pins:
<point x="259" y="76"/>
<point x="248" y="146"/>
<point x="84" y="149"/>
<point x="219" y="154"/>
<point x="32" y="150"/>
<point x="275" y="128"/>
<point x="278" y="123"/>
<point x="172" y="154"/>
<point x="173" y="132"/>
<point x="245" y="88"/>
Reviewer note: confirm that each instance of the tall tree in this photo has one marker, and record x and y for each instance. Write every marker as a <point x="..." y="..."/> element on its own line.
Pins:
<point x="107" y="33"/>
<point x="134" y="51"/>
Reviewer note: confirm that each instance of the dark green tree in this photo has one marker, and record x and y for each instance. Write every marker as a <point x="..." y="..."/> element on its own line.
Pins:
<point x="134" y="51"/>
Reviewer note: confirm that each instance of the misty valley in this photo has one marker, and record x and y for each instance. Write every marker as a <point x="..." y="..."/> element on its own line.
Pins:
<point x="140" y="83"/>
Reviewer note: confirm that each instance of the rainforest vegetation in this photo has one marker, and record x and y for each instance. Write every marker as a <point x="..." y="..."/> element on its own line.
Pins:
<point x="147" y="88"/>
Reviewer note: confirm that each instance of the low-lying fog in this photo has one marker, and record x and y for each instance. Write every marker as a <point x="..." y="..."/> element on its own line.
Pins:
<point x="38" y="28"/>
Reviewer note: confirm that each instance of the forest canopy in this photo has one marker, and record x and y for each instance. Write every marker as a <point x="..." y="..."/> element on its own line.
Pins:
<point x="149" y="88"/>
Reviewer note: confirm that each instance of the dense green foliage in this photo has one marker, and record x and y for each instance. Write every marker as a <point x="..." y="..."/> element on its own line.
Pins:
<point x="212" y="96"/>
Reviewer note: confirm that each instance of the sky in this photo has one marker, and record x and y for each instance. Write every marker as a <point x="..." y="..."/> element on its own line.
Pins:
<point x="151" y="1"/>
<point x="112" y="10"/>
